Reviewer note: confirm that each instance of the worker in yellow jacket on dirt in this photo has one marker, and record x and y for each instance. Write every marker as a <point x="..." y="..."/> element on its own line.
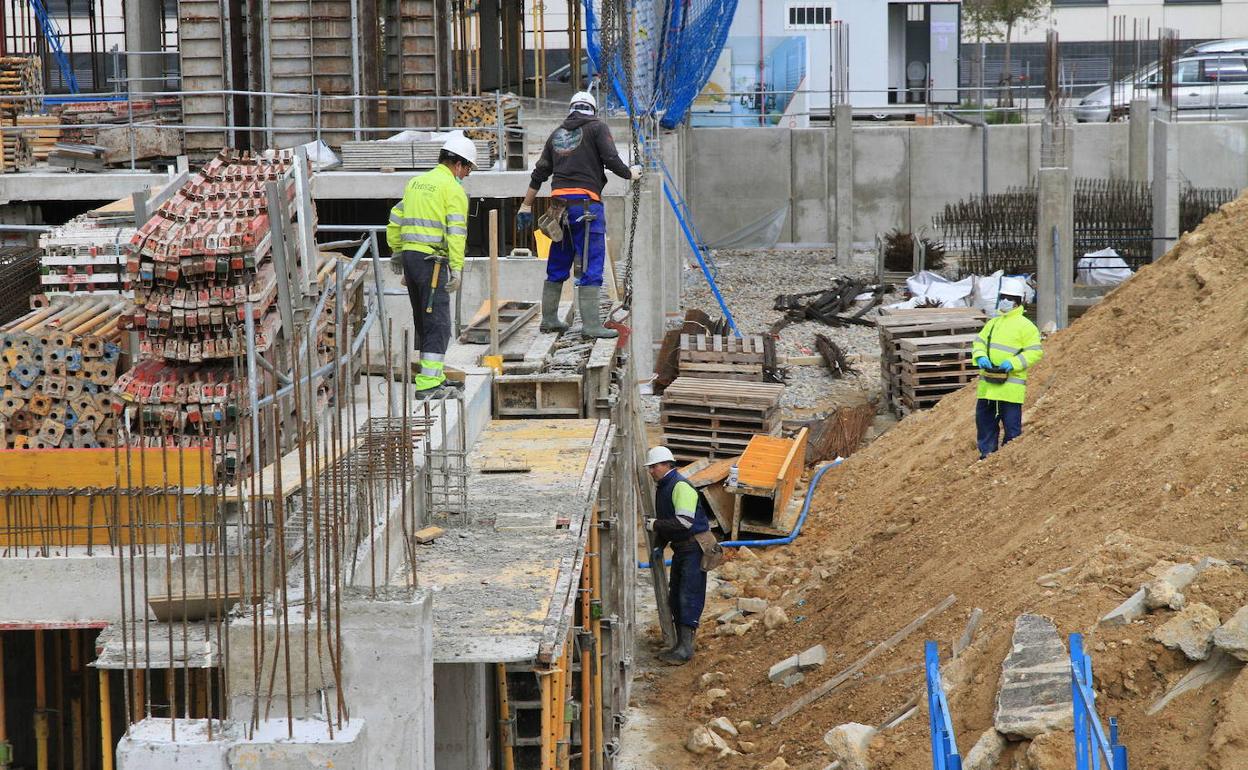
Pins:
<point x="427" y="234"/>
<point x="1005" y="349"/>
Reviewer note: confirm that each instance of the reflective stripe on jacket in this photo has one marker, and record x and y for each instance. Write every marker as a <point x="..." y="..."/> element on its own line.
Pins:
<point x="1008" y="337"/>
<point x="432" y="218"/>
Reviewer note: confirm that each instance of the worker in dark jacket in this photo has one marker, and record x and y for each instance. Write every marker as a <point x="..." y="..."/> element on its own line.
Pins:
<point x="576" y="154"/>
<point x="681" y="522"/>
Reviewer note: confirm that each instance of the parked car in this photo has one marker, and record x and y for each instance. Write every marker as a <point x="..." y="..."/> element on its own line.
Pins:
<point x="1207" y="86"/>
<point x="1231" y="45"/>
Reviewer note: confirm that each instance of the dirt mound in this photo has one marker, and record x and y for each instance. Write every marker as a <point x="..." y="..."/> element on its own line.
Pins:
<point x="1135" y="450"/>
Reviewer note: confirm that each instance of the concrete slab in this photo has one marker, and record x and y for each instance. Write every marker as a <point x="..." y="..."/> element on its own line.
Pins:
<point x="153" y="745"/>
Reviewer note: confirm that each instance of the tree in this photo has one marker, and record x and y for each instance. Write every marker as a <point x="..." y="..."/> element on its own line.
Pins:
<point x="997" y="19"/>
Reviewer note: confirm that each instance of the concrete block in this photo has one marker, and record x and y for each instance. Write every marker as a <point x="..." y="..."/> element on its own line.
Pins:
<point x="785" y="667"/>
<point x="1129" y="611"/>
<point x="1232" y="636"/>
<point x="813" y="658"/>
<point x="731" y="616"/>
<point x="986" y="751"/>
<point x="750" y="605"/>
<point x="147" y="746"/>
<point x="1167" y="589"/>
<point x="850" y="744"/>
<point x="1190" y="631"/>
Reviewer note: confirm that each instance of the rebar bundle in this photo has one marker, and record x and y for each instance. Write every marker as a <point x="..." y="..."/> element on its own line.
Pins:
<point x="998" y="231"/>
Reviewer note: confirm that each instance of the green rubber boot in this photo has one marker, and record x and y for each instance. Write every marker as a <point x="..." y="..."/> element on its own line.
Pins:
<point x="591" y="321"/>
<point x="550" y="308"/>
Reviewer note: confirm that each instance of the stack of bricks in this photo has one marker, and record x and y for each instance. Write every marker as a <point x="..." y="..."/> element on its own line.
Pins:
<point x="202" y="256"/>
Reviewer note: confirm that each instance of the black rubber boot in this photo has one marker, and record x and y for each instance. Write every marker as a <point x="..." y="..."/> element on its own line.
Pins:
<point x="550" y="308"/>
<point x="591" y="318"/>
<point x="684" y="647"/>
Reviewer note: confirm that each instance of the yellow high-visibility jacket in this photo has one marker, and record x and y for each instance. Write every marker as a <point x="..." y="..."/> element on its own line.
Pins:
<point x="432" y="218"/>
<point x="1010" y="336"/>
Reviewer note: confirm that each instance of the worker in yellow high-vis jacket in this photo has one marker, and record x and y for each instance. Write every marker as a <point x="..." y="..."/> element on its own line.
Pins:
<point x="1006" y="348"/>
<point x="427" y="233"/>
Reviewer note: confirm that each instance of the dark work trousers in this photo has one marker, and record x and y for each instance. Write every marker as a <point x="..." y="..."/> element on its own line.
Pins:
<point x="433" y="330"/>
<point x="686" y="585"/>
<point x="990" y="417"/>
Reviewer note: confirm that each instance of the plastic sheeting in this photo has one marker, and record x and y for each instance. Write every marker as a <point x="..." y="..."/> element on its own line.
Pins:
<point x="762" y="233"/>
<point x="1102" y="268"/>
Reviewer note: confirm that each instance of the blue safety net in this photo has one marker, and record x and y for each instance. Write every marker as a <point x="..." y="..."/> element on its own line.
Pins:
<point x="676" y="44"/>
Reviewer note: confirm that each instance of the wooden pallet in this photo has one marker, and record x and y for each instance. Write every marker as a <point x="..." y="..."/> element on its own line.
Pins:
<point x="932" y="338"/>
<point x="728" y="358"/>
<point x="42" y="134"/>
<point x="512" y="315"/>
<point x="717" y="418"/>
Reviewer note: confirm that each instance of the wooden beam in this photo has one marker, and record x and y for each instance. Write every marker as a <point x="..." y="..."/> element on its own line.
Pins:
<point x="862" y="662"/>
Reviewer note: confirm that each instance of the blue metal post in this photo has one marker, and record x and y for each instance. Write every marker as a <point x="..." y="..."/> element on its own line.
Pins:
<point x="931" y="661"/>
<point x="1082" y="745"/>
<point x="53" y="36"/>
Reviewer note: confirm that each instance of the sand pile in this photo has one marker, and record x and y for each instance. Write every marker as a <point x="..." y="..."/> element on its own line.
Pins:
<point x="1135" y="451"/>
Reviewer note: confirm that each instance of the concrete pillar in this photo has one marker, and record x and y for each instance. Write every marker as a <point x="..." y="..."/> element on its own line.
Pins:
<point x="1165" y="186"/>
<point x="647" y="314"/>
<point x="843" y="202"/>
<point x="1138" y="145"/>
<point x="143" y="33"/>
<point x="1055" y="228"/>
<point x="464" y="726"/>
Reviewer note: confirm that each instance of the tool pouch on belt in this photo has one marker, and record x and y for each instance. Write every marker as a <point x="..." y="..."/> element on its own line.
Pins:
<point x="712" y="551"/>
<point x="552" y="221"/>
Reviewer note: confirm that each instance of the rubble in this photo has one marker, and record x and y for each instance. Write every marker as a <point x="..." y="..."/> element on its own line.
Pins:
<point x="774" y="617"/>
<point x="1167" y="590"/>
<point x="1190" y="631"/>
<point x="1034" y="697"/>
<point x="795" y="664"/>
<point x="703" y="740"/>
<point x="1128" y="612"/>
<point x="986" y="751"/>
<point x="723" y="726"/>
<point x="1232" y="636"/>
<point x="849" y="744"/>
<point x="750" y="605"/>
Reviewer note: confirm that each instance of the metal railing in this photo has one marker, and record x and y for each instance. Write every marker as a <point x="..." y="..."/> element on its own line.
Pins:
<point x="1092" y="746"/>
<point x="945" y="754"/>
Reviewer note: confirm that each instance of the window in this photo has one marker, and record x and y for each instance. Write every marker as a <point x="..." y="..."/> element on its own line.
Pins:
<point x="916" y="12"/>
<point x="809" y="16"/>
<point x="1187" y="72"/>
<point x="1225" y="70"/>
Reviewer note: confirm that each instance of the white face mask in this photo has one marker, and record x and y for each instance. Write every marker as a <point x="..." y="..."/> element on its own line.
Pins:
<point x="1005" y="305"/>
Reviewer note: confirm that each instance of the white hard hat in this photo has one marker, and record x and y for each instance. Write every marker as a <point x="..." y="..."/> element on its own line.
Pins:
<point x="1013" y="286"/>
<point x="659" y="454"/>
<point x="462" y="146"/>
<point x="582" y="100"/>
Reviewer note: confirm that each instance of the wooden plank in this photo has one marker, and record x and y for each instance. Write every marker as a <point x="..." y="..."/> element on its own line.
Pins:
<point x="861" y="663"/>
<point x="428" y="534"/>
<point x="44" y="469"/>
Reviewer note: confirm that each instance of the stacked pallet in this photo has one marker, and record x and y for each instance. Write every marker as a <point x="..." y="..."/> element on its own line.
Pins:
<point x="56" y="368"/>
<point x="85" y="256"/>
<point x="749" y="358"/>
<point x="421" y="156"/>
<point x="717" y="418"/>
<point x="204" y="254"/>
<point x="919" y="376"/>
<point x="20" y="76"/>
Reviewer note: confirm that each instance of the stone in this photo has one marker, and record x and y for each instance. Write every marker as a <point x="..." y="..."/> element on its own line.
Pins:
<point x="1051" y="751"/>
<point x="779" y="671"/>
<point x="704" y="740"/>
<point x="723" y="726"/>
<point x="776" y="764"/>
<point x="1034" y="696"/>
<point x="1218" y="666"/>
<point x="731" y="616"/>
<point x="745" y="553"/>
<point x="791" y="679"/>
<point x="986" y="752"/>
<point x="813" y="658"/>
<point x="728" y="590"/>
<point x="747" y="747"/>
<point x="712" y="678"/>
<point x="774" y="617"/>
<point x="751" y="605"/>
<point x="716" y="693"/>
<point x="741" y="629"/>
<point x="1190" y="631"/>
<point x="1167" y="589"/>
<point x="728" y="571"/>
<point x="1128" y="612"/>
<point x="849" y="744"/>
<point x="1232" y="636"/>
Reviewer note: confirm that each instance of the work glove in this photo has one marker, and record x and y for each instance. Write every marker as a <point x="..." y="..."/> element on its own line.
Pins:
<point x="650" y="524"/>
<point x="452" y="283"/>
<point x="634" y="172"/>
<point x="983" y="363"/>
<point x="524" y="218"/>
<point x="1007" y="366"/>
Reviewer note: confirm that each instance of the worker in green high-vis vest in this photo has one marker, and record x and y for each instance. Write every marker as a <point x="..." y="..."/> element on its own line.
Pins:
<point x="427" y="234"/>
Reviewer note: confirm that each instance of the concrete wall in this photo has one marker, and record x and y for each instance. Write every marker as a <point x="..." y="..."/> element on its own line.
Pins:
<point x="465" y="713"/>
<point x="1226" y="18"/>
<point x="905" y="175"/>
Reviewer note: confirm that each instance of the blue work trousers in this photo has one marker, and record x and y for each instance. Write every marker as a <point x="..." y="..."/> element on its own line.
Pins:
<point x="573" y="246"/>
<point x="686" y="586"/>
<point x="990" y="417"/>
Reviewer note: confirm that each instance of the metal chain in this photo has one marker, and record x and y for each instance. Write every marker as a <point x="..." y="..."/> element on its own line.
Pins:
<point x="616" y="38"/>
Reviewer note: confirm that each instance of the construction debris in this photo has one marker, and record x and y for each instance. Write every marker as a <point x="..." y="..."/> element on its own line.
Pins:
<point x="833" y="357"/>
<point x="828" y="306"/>
<point x="1035" y="695"/>
<point x="840" y="434"/>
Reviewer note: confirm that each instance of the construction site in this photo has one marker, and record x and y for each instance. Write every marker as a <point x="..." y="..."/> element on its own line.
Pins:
<point x="237" y="530"/>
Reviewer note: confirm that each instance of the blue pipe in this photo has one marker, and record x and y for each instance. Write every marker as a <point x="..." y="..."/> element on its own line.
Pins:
<point x="797" y="528"/>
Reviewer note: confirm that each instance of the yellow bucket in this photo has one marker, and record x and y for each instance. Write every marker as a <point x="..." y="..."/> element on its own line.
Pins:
<point x="543" y="244"/>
